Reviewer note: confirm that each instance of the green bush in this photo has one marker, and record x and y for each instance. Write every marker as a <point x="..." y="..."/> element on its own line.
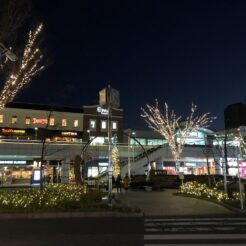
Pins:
<point x="51" y="197"/>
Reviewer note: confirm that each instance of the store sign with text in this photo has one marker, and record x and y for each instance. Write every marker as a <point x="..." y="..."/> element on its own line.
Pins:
<point x="15" y="131"/>
<point x="69" y="133"/>
<point x="39" y="121"/>
<point x="102" y="110"/>
<point x="12" y="162"/>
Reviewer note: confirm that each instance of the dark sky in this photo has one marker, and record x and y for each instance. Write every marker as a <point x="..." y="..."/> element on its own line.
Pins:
<point x="175" y="51"/>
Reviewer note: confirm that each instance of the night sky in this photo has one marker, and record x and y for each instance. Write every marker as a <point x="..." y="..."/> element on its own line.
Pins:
<point x="175" y="51"/>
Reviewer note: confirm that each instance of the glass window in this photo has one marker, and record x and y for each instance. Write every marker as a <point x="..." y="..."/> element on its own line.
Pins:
<point x="114" y="125"/>
<point x="28" y="120"/>
<point x="76" y="123"/>
<point x="64" y="122"/>
<point x="14" y="120"/>
<point x="1" y="118"/>
<point x="52" y="121"/>
<point x="104" y="125"/>
<point x="93" y="124"/>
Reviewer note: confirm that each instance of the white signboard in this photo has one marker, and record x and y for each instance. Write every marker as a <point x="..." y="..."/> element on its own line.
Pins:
<point x="102" y="111"/>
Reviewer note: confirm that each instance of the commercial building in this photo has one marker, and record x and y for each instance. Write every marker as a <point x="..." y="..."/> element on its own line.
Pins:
<point x="25" y="127"/>
<point x="203" y="150"/>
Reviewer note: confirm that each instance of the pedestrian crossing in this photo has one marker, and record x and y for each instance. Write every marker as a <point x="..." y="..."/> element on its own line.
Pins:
<point x="194" y="231"/>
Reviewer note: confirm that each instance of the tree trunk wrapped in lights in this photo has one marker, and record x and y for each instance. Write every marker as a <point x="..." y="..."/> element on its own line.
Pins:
<point x="29" y="66"/>
<point x="239" y="137"/>
<point x="170" y="127"/>
<point x="115" y="162"/>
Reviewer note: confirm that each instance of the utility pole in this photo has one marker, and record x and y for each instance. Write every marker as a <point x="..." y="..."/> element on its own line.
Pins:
<point x="129" y="159"/>
<point x="109" y="149"/>
<point x="110" y="98"/>
<point x="239" y="179"/>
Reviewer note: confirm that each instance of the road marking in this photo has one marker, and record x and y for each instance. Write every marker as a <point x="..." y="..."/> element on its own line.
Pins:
<point x="193" y="236"/>
<point x="196" y="219"/>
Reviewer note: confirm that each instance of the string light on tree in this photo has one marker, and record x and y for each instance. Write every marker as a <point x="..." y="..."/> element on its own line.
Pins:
<point x="115" y="162"/>
<point x="170" y="126"/>
<point x="29" y="66"/>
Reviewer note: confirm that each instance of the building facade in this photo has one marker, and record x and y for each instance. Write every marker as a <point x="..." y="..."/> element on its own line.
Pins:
<point x="64" y="130"/>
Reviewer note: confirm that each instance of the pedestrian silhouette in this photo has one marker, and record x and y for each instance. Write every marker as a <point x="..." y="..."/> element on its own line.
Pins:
<point x="118" y="182"/>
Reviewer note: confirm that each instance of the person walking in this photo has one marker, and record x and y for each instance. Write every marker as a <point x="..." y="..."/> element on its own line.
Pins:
<point x="126" y="182"/>
<point x="118" y="182"/>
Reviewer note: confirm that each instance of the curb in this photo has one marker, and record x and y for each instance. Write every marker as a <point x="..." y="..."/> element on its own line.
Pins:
<point x="10" y="216"/>
<point x="237" y="210"/>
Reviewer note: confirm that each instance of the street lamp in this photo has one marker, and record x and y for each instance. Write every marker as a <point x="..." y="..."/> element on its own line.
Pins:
<point x="133" y="154"/>
<point x="36" y="133"/>
<point x="8" y="53"/>
<point x="239" y="178"/>
<point x="89" y="134"/>
<point x="129" y="158"/>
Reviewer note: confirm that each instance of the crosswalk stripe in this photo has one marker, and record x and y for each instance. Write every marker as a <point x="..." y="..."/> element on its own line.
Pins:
<point x="194" y="236"/>
<point x="194" y="231"/>
<point x="195" y="219"/>
<point x="194" y="223"/>
<point x="188" y="244"/>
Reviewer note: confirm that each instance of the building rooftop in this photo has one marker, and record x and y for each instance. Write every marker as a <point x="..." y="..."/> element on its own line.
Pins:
<point x="57" y="108"/>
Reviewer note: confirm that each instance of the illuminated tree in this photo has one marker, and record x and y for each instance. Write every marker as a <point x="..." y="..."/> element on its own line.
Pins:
<point x="170" y="127"/>
<point x="28" y="67"/>
<point x="241" y="140"/>
<point x="115" y="162"/>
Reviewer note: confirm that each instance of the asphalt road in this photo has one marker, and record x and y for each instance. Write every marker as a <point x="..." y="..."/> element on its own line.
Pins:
<point x="68" y="232"/>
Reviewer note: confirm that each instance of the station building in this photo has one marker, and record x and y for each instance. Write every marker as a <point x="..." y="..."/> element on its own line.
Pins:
<point x="25" y="126"/>
<point x="203" y="150"/>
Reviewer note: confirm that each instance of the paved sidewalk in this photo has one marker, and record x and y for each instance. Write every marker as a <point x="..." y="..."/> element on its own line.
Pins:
<point x="165" y="203"/>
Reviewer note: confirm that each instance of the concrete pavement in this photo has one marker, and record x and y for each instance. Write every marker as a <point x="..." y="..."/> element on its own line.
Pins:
<point x="166" y="203"/>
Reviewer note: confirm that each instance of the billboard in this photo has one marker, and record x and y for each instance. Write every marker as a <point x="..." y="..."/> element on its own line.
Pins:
<point x="109" y="96"/>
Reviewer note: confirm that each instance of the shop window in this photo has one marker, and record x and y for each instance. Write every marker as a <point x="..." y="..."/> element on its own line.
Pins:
<point x="28" y="120"/>
<point x="14" y="120"/>
<point x="103" y="125"/>
<point x="76" y="123"/>
<point x="92" y="124"/>
<point x="1" y="118"/>
<point x="114" y="125"/>
<point x="52" y="121"/>
<point x="64" y="122"/>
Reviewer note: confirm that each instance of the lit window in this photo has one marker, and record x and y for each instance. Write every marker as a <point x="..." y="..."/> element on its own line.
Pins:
<point x="52" y="121"/>
<point x="64" y="122"/>
<point x="14" y="120"/>
<point x="28" y="120"/>
<point x="76" y="123"/>
<point x="114" y="125"/>
<point x="93" y="124"/>
<point x="1" y="118"/>
<point x="103" y="124"/>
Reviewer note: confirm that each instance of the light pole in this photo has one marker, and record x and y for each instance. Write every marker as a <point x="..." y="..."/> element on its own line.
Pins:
<point x="129" y="159"/>
<point x="36" y="133"/>
<point x="89" y="134"/>
<point x="133" y="154"/>
<point x="239" y="179"/>
<point x="8" y="53"/>
<point x="109" y="151"/>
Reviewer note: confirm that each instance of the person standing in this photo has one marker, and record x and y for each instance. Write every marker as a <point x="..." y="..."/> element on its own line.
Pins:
<point x="118" y="182"/>
<point x="126" y="182"/>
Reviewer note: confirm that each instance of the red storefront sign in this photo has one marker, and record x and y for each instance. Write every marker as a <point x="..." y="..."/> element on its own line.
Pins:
<point x="38" y="121"/>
